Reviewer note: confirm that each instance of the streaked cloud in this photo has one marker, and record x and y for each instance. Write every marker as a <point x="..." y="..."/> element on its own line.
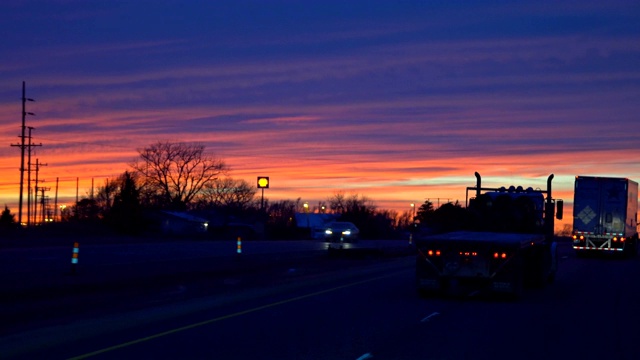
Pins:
<point x="398" y="102"/>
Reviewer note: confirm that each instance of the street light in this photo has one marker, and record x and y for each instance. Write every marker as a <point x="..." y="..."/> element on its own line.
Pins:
<point x="306" y="211"/>
<point x="263" y="183"/>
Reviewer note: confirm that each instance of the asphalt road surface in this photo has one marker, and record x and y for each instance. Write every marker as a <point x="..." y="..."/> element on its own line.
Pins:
<point x="347" y="309"/>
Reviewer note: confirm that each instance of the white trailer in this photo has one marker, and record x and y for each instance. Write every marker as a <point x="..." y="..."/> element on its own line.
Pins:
<point x="605" y="215"/>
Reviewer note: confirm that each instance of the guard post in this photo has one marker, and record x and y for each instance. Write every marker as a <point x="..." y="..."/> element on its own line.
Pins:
<point x="74" y="257"/>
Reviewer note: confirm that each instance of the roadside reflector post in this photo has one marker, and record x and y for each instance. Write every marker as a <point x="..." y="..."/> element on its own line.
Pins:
<point x="74" y="257"/>
<point x="239" y="246"/>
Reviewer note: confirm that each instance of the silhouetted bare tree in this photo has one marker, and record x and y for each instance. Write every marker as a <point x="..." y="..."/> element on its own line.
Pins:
<point x="229" y="192"/>
<point x="404" y="220"/>
<point x="176" y="172"/>
<point x="105" y="194"/>
<point x="281" y="223"/>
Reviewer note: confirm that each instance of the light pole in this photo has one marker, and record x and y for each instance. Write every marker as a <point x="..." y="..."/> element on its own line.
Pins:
<point x="306" y="211"/>
<point x="263" y="183"/>
<point x="413" y="222"/>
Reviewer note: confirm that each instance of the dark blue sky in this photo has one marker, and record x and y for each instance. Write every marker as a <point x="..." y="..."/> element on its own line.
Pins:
<point x="398" y="101"/>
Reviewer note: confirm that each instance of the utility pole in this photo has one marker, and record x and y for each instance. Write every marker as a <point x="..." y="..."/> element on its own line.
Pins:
<point x="35" y="201"/>
<point x="29" y="146"/>
<point x="44" y="203"/>
<point x="22" y="147"/>
<point x="55" y="204"/>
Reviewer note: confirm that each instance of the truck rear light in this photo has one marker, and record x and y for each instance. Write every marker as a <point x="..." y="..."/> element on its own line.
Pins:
<point x="615" y="239"/>
<point x="621" y="239"/>
<point x="433" y="252"/>
<point x="497" y="255"/>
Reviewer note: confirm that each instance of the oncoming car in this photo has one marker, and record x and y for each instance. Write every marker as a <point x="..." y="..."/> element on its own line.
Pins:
<point x="341" y="231"/>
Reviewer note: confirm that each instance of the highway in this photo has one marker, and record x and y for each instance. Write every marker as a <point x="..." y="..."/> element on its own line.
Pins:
<point x="361" y="308"/>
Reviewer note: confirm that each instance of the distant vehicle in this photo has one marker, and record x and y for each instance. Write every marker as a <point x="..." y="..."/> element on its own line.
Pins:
<point x="511" y="244"/>
<point x="605" y="215"/>
<point x="341" y="231"/>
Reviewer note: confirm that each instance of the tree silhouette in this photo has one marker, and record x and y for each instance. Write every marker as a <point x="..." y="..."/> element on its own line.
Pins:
<point x="125" y="214"/>
<point x="7" y="219"/>
<point x="227" y="192"/>
<point x="176" y="172"/>
<point x="425" y="212"/>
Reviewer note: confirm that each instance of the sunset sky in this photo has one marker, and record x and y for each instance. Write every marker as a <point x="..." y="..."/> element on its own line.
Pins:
<point x="396" y="101"/>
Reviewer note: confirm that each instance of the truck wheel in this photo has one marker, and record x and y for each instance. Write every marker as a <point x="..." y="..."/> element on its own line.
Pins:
<point x="517" y="287"/>
<point x="427" y="292"/>
<point x="423" y="293"/>
<point x="540" y="266"/>
<point x="517" y="283"/>
<point x="551" y="277"/>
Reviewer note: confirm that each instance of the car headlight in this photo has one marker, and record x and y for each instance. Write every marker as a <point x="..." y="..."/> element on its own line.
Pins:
<point x="328" y="232"/>
<point x="346" y="232"/>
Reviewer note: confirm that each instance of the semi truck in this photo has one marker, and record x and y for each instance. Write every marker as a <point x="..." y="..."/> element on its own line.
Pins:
<point x="507" y="242"/>
<point x="605" y="215"/>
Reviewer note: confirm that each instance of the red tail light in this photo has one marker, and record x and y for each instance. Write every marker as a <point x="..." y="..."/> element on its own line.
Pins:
<point x="433" y="253"/>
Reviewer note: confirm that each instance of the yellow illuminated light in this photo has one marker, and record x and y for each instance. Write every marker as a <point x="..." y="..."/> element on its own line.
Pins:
<point x="263" y="182"/>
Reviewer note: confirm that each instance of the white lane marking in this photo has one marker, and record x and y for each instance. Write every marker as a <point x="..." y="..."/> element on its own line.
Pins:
<point x="430" y="316"/>
<point x="365" y="356"/>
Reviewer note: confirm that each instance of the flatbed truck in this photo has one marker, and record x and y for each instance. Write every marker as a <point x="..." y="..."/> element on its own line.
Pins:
<point x="509" y="243"/>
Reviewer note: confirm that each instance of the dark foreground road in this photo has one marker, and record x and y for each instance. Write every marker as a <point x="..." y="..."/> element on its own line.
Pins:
<point x="366" y="309"/>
